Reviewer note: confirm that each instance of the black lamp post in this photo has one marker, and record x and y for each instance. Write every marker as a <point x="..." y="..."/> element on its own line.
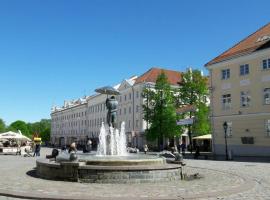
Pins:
<point x="225" y="126"/>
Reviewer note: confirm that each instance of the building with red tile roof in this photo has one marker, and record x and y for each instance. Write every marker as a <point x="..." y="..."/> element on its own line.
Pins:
<point x="174" y="77"/>
<point x="240" y="96"/>
<point x="256" y="41"/>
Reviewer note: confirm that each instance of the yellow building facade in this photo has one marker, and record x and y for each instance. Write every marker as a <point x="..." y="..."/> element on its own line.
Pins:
<point x="240" y="96"/>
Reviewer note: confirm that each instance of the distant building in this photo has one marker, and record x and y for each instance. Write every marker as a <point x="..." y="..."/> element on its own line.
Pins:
<point x="240" y="95"/>
<point x="81" y="119"/>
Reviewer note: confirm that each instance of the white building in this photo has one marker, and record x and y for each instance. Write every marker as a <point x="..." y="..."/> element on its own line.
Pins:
<point x="81" y="119"/>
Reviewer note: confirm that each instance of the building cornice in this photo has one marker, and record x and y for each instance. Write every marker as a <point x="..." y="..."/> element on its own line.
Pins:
<point x="243" y="115"/>
<point x="243" y="58"/>
<point x="70" y="108"/>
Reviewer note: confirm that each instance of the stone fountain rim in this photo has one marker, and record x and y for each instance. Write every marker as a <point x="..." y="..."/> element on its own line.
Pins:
<point x="83" y="165"/>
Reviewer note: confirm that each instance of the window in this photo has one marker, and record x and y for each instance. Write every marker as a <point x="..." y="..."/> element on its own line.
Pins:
<point x="120" y="98"/>
<point x="129" y="96"/>
<point x="137" y="94"/>
<point x="125" y="97"/>
<point x="137" y="123"/>
<point x="226" y="101"/>
<point x="125" y="111"/>
<point x="267" y="126"/>
<point x="128" y="123"/>
<point x="120" y="111"/>
<point x="245" y="99"/>
<point x="244" y="69"/>
<point x="225" y="74"/>
<point x="266" y="96"/>
<point x="266" y="64"/>
<point x="137" y="108"/>
<point x="129" y="109"/>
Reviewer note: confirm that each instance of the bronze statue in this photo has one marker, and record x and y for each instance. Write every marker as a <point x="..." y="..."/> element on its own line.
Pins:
<point x="111" y="104"/>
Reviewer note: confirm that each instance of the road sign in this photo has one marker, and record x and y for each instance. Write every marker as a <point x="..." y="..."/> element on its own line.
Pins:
<point x="185" y="121"/>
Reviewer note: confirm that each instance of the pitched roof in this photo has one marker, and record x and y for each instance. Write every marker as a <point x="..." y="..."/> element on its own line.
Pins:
<point x="151" y="76"/>
<point x="256" y="41"/>
<point x="186" y="108"/>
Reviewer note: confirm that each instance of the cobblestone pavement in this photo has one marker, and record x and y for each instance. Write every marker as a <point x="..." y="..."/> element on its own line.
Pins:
<point x="216" y="180"/>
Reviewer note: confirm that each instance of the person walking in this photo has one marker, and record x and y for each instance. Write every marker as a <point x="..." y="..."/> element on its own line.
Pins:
<point x="145" y="148"/>
<point x="37" y="150"/>
<point x="183" y="148"/>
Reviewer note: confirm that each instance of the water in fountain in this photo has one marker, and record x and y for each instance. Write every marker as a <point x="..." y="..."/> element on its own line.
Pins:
<point x="111" y="141"/>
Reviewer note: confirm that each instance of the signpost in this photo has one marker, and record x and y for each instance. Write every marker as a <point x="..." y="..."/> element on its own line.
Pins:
<point x="185" y="121"/>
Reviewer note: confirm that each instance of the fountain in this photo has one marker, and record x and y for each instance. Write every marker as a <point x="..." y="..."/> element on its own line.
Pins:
<point x="111" y="163"/>
<point x="111" y="141"/>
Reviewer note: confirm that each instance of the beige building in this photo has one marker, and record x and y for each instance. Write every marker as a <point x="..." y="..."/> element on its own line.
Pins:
<point x="240" y="95"/>
<point x="81" y="119"/>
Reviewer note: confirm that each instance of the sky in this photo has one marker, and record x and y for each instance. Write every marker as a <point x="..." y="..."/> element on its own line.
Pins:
<point x="51" y="51"/>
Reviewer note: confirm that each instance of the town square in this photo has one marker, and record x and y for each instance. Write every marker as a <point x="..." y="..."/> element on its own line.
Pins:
<point x="134" y="100"/>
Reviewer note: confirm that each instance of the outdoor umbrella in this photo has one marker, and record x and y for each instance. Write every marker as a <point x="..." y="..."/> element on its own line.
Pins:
<point x="13" y="136"/>
<point x="108" y="90"/>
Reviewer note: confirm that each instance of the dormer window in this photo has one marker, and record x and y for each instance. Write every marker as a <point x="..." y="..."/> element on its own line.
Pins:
<point x="263" y="38"/>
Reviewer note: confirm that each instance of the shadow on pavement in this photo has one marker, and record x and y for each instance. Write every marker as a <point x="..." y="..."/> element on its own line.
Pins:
<point x="32" y="173"/>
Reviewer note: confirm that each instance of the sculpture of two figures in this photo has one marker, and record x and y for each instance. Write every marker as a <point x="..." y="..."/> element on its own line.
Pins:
<point x="111" y="105"/>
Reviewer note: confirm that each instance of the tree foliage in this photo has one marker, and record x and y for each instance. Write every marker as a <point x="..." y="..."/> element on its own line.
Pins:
<point x="159" y="110"/>
<point x="42" y="128"/>
<point x="20" y="125"/>
<point x="2" y="126"/>
<point x="193" y="91"/>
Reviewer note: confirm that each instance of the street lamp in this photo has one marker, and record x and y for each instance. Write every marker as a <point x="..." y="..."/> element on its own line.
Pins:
<point x="225" y="126"/>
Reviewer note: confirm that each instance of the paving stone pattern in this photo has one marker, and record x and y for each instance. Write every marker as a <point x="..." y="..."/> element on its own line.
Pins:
<point x="205" y="180"/>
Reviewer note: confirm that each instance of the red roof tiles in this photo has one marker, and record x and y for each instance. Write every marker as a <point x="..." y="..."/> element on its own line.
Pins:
<point x="248" y="45"/>
<point x="186" y="108"/>
<point x="151" y="76"/>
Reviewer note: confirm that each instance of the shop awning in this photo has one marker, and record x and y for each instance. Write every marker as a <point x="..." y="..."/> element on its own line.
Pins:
<point x="203" y="137"/>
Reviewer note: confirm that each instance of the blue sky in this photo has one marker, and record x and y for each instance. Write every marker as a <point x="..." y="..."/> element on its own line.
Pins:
<point x="56" y="50"/>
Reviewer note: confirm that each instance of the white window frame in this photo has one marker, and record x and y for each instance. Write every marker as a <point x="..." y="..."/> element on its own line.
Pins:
<point x="226" y="101"/>
<point x="225" y="74"/>
<point x="266" y="64"/>
<point x="245" y="99"/>
<point x="266" y="96"/>
<point x="267" y="127"/>
<point x="244" y="69"/>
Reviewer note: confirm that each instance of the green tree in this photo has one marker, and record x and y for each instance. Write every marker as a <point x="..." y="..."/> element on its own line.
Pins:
<point x="159" y="111"/>
<point x="42" y="128"/>
<point x="2" y="126"/>
<point x="45" y="134"/>
<point x="20" y="125"/>
<point x="193" y="91"/>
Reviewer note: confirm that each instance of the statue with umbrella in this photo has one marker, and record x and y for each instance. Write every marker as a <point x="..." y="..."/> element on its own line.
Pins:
<point x="111" y="103"/>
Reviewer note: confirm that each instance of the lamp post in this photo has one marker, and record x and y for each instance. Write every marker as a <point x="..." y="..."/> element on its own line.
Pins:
<point x="225" y="126"/>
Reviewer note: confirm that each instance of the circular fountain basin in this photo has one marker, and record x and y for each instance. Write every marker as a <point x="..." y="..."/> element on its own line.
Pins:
<point x="134" y="168"/>
<point x="131" y="159"/>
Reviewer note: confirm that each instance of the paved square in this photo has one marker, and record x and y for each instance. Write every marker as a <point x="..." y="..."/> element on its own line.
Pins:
<point x="220" y="180"/>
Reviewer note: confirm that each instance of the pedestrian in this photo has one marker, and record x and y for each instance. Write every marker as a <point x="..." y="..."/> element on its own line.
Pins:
<point x="89" y="146"/>
<point x="183" y="148"/>
<point x="197" y="152"/>
<point x="72" y="148"/>
<point x="37" y="150"/>
<point x="145" y="148"/>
